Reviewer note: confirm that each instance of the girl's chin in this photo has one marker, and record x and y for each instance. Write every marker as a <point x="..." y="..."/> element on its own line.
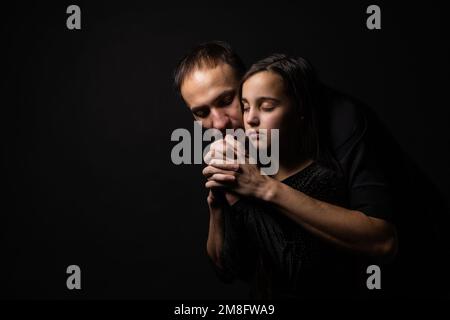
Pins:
<point x="260" y="144"/>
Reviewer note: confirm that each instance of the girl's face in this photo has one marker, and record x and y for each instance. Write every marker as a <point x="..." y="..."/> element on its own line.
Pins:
<point x="266" y="106"/>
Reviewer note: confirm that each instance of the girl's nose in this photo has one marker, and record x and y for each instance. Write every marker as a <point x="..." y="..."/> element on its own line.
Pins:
<point x="252" y="118"/>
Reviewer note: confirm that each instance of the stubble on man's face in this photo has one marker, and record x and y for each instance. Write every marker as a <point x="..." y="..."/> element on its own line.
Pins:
<point x="212" y="96"/>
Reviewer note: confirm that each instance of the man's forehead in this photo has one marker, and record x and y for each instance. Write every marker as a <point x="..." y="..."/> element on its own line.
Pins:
<point x="205" y="84"/>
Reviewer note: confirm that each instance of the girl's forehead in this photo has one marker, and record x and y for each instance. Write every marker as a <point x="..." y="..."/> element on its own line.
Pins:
<point x="263" y="83"/>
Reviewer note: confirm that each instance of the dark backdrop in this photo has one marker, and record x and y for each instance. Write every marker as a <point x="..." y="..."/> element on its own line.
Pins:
<point x="87" y="117"/>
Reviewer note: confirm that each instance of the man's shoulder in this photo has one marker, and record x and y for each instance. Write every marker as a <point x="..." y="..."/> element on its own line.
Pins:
<point x="343" y="117"/>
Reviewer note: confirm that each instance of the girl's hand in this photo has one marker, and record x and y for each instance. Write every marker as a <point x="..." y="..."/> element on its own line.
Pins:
<point x="243" y="179"/>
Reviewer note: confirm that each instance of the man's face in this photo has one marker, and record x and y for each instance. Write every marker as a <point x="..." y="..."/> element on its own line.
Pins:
<point x="212" y="96"/>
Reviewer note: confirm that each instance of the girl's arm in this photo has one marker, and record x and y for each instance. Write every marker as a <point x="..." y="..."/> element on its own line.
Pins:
<point x="350" y="229"/>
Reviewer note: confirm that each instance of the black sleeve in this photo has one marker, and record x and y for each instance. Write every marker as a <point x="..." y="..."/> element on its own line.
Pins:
<point x="354" y="149"/>
<point x="369" y="189"/>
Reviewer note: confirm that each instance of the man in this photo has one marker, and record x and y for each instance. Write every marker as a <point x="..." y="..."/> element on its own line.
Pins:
<point x="208" y="79"/>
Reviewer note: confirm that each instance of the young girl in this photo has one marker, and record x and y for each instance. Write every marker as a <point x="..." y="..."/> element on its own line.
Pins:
<point x="291" y="234"/>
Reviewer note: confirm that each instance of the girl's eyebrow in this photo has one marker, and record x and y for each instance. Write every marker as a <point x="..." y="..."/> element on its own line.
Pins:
<point x="263" y="99"/>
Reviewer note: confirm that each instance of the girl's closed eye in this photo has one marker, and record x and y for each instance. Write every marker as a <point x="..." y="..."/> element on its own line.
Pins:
<point x="267" y="107"/>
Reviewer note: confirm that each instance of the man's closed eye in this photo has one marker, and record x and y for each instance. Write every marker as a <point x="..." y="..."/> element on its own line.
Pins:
<point x="201" y="113"/>
<point x="226" y="101"/>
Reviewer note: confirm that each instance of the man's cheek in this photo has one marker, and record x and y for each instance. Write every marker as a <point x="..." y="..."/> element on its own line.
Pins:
<point x="206" y="123"/>
<point x="238" y="120"/>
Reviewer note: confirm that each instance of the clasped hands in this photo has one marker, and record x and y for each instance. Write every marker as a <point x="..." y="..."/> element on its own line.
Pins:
<point x="227" y="171"/>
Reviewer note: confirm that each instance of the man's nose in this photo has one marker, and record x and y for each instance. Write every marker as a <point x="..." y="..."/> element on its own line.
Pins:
<point x="221" y="121"/>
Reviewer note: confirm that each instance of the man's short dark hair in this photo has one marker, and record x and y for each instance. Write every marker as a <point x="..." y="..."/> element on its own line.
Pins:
<point x="208" y="54"/>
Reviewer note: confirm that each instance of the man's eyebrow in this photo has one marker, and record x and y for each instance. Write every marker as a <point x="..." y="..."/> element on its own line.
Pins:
<point x="224" y="94"/>
<point x="197" y="108"/>
<point x="220" y="96"/>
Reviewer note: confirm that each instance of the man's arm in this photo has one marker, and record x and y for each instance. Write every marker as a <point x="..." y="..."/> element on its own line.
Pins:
<point x="214" y="243"/>
<point x="227" y="243"/>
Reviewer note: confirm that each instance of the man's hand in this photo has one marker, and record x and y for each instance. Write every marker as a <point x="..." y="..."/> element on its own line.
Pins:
<point x="217" y="198"/>
<point x="239" y="177"/>
<point x="227" y="150"/>
<point x="219" y="149"/>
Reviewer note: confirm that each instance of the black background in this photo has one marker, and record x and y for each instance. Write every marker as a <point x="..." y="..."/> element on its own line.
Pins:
<point x="87" y="117"/>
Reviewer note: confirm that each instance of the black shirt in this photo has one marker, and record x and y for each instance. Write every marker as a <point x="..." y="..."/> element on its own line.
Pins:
<point x="344" y="135"/>
<point x="278" y="257"/>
